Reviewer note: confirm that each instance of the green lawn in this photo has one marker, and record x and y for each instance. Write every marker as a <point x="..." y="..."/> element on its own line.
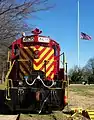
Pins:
<point x="2" y="86"/>
<point x="85" y="90"/>
<point x="56" y="116"/>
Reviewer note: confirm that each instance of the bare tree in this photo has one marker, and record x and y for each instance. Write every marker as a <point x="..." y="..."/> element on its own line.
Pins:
<point x="12" y="19"/>
<point x="89" y="70"/>
<point x="12" y="15"/>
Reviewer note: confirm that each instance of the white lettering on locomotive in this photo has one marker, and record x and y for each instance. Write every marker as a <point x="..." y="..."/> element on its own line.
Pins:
<point x="43" y="39"/>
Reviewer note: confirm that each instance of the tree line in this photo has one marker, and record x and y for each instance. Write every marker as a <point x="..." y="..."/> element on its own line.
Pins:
<point x="84" y="74"/>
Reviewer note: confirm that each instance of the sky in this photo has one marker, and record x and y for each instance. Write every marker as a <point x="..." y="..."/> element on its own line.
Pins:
<point x="60" y="23"/>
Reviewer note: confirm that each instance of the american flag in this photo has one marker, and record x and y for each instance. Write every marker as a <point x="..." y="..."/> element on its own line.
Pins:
<point x="85" y="36"/>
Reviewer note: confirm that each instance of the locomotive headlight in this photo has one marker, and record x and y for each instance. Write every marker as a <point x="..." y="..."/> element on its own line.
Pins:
<point x="20" y="83"/>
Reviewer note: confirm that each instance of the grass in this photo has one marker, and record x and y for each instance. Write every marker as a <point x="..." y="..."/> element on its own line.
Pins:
<point x="84" y="90"/>
<point x="2" y="86"/>
<point x="56" y="116"/>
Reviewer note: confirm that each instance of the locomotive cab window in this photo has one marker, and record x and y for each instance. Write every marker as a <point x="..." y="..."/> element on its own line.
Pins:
<point x="55" y="50"/>
<point x="16" y="50"/>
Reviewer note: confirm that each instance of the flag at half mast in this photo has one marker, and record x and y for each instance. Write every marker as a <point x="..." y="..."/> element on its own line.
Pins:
<point x="85" y="36"/>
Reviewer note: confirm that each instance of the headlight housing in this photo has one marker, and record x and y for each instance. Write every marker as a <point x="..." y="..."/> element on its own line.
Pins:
<point x="20" y="83"/>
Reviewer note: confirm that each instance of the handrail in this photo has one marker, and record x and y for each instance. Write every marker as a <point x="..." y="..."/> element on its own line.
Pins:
<point x="8" y="87"/>
<point x="9" y="71"/>
<point x="8" y="56"/>
<point x="7" y="81"/>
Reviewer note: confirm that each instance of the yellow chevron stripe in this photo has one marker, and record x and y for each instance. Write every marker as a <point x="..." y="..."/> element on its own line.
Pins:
<point x="25" y="55"/>
<point x="37" y="60"/>
<point x="22" y="70"/>
<point x="51" y="69"/>
<point x="32" y="47"/>
<point x="21" y="76"/>
<point x="40" y="57"/>
<point x="24" y="62"/>
<point x="26" y="65"/>
<point x="50" y="62"/>
<point x="39" y="66"/>
<point x="47" y="57"/>
<point x="40" y="48"/>
<point x="25" y="47"/>
<point x="52" y="76"/>
<point x="29" y="52"/>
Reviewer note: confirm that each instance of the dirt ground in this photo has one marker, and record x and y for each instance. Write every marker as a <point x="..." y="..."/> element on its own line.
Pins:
<point x="81" y="101"/>
<point x="84" y="102"/>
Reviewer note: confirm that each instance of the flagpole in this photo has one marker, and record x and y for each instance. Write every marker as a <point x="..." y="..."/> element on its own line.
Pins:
<point x="78" y="37"/>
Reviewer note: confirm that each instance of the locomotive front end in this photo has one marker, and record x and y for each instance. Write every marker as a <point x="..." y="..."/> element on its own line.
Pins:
<point x="35" y="81"/>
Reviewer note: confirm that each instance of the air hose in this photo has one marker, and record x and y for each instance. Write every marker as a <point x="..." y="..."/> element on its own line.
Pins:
<point x="38" y="78"/>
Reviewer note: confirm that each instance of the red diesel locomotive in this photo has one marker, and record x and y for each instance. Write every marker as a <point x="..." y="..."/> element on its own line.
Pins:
<point x="34" y="81"/>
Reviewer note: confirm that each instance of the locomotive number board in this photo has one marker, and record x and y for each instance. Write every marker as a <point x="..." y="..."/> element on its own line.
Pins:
<point x="28" y="39"/>
<point x="43" y="39"/>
